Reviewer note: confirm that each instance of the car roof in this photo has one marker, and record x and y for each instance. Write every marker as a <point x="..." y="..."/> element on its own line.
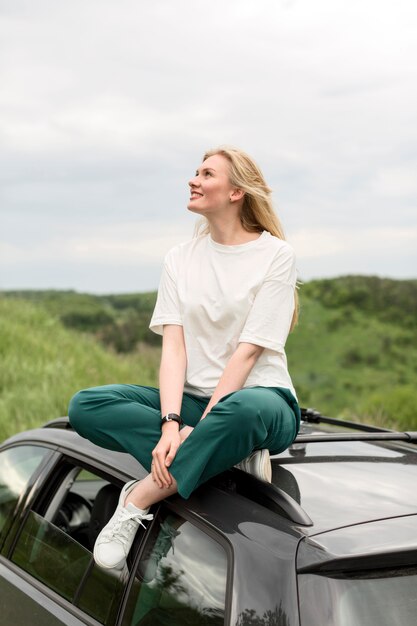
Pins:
<point x="341" y="483"/>
<point x="122" y="466"/>
<point x="316" y="485"/>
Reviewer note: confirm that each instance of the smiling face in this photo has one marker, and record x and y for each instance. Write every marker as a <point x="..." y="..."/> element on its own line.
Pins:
<point x="210" y="189"/>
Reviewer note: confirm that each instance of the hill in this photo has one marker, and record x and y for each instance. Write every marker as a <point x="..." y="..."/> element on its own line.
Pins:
<point x="42" y="364"/>
<point x="354" y="352"/>
<point x="118" y="321"/>
<point x="347" y="362"/>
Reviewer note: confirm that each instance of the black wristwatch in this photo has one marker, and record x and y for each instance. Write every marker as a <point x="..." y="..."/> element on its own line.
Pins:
<point x="172" y="417"/>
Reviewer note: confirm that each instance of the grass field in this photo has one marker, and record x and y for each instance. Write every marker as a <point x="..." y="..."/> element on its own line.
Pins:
<point x="42" y="364"/>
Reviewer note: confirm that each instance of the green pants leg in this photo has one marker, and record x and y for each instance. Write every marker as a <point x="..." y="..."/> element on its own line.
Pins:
<point x="127" y="418"/>
<point x="243" y="421"/>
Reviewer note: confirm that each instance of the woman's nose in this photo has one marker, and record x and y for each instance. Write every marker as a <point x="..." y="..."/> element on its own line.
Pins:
<point x="193" y="182"/>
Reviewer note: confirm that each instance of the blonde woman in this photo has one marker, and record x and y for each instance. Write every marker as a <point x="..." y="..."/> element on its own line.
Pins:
<point x="226" y="303"/>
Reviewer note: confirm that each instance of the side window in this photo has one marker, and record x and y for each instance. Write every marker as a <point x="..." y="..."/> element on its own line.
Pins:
<point x="17" y="465"/>
<point x="55" y="546"/>
<point x="180" y="579"/>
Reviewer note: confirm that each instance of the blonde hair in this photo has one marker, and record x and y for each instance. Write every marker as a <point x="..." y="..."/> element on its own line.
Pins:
<point x="257" y="212"/>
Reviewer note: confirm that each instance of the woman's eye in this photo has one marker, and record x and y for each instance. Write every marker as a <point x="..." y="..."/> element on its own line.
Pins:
<point x="208" y="173"/>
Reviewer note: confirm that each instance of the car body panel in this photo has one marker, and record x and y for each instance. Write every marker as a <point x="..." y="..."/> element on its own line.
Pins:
<point x="257" y="536"/>
<point x="22" y="600"/>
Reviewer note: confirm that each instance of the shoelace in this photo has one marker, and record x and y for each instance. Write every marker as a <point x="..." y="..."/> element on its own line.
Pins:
<point x="126" y="523"/>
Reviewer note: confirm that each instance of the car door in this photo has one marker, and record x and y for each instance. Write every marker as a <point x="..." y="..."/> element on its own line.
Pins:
<point x="176" y="573"/>
<point x="47" y="573"/>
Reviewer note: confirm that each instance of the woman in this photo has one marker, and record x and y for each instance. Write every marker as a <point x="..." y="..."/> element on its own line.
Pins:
<point x="226" y="303"/>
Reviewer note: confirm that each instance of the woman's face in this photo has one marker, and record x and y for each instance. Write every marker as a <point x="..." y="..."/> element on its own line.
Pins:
<point x="210" y="189"/>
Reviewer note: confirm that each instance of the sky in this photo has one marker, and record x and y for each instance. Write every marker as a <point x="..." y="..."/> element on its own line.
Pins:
<point x="106" y="109"/>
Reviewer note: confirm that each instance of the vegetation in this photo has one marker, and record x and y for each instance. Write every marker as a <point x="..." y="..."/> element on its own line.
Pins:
<point x="347" y="362"/>
<point x="354" y="352"/>
<point x="120" y="322"/>
<point x="42" y="364"/>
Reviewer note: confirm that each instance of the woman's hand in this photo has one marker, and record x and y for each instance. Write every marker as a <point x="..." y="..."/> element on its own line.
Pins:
<point x="164" y="453"/>
<point x="185" y="432"/>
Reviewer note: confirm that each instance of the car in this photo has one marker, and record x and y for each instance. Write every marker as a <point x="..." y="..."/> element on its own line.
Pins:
<point x="332" y="541"/>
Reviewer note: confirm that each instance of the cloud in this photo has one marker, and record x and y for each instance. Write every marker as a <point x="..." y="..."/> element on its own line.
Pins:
<point x="118" y="244"/>
<point x="106" y="109"/>
<point x="387" y="252"/>
<point x="396" y="182"/>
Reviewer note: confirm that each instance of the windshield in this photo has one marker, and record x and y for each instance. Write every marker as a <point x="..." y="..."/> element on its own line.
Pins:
<point x="374" y="599"/>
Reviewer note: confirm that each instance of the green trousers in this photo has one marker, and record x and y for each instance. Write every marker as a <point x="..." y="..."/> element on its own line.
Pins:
<point x="127" y="418"/>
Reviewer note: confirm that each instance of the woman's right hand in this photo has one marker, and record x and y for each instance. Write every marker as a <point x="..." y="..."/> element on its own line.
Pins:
<point x="164" y="453"/>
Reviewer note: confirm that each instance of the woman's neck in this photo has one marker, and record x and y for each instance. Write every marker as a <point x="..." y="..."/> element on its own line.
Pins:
<point x="231" y="234"/>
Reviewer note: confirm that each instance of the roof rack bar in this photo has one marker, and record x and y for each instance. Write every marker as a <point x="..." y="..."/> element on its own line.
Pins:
<point x="370" y="436"/>
<point x="312" y="416"/>
<point x="369" y="433"/>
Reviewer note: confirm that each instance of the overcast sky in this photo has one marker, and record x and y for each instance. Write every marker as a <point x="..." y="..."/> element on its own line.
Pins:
<point x="106" y="108"/>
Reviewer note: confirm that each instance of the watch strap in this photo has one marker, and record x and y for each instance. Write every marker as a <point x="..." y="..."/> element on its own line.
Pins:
<point x="172" y="417"/>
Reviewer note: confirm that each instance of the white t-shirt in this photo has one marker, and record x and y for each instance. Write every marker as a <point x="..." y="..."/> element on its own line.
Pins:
<point x="224" y="295"/>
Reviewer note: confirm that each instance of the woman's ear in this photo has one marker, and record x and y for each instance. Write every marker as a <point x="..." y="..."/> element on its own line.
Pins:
<point x="236" y="194"/>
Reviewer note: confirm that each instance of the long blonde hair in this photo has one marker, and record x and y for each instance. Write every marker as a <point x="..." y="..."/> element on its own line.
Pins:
<point x="257" y="212"/>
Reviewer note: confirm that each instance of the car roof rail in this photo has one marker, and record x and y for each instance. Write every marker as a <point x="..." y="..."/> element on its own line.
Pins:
<point x="410" y="436"/>
<point x="59" y="422"/>
<point x="368" y="431"/>
<point x="312" y="416"/>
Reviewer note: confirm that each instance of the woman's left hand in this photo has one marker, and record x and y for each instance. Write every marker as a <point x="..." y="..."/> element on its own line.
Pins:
<point x="185" y="432"/>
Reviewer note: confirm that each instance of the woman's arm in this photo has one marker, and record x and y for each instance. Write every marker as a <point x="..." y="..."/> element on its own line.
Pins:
<point x="171" y="383"/>
<point x="172" y="369"/>
<point x="235" y="373"/>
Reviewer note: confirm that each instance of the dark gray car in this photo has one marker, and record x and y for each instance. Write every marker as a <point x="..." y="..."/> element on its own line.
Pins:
<point x="332" y="542"/>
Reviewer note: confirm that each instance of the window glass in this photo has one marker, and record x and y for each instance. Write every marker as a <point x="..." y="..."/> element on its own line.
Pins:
<point x="16" y="467"/>
<point x="376" y="599"/>
<point x="181" y="578"/>
<point x="56" y="548"/>
<point x="51" y="556"/>
<point x="101" y="595"/>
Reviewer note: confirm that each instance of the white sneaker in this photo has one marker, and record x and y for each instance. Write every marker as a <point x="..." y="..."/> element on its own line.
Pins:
<point x="115" y="540"/>
<point x="258" y="464"/>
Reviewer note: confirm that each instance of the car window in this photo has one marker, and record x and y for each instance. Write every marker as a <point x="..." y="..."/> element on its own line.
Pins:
<point x="374" y="598"/>
<point x="180" y="579"/>
<point x="17" y="465"/>
<point x="55" y="546"/>
<point x="51" y="556"/>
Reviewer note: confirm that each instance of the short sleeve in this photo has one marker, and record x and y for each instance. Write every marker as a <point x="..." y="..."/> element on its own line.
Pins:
<point x="270" y="316"/>
<point x="167" y="307"/>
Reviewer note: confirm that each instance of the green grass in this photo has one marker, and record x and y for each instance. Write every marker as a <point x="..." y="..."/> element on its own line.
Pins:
<point x="42" y="364"/>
